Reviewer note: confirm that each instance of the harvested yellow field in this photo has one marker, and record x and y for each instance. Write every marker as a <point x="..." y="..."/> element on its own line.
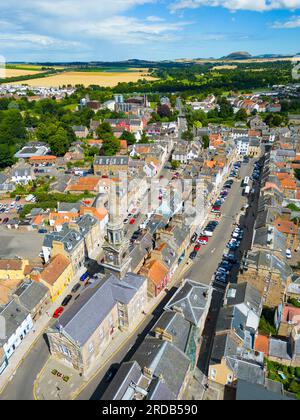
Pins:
<point x="224" y="67"/>
<point x="19" y="73"/>
<point x="105" y="79"/>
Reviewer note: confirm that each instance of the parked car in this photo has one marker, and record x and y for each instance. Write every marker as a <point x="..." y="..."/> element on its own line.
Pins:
<point x="67" y="300"/>
<point x="42" y="231"/>
<point x="203" y="240"/>
<point x="193" y="255"/>
<point x="76" y="288"/>
<point x="288" y="254"/>
<point x="197" y="248"/>
<point x="194" y="238"/>
<point x="58" y="312"/>
<point x="132" y="221"/>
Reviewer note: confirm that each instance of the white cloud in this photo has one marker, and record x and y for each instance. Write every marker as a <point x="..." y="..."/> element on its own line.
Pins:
<point x="129" y="30"/>
<point x="155" y="19"/>
<point x="63" y="22"/>
<point x="292" y="23"/>
<point x="12" y="40"/>
<point x="233" y="5"/>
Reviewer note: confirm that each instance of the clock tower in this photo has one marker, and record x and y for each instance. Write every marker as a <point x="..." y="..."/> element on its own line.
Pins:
<point x="116" y="247"/>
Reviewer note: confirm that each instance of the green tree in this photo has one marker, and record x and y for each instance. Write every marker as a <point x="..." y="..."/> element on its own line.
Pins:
<point x="205" y="141"/>
<point x="241" y="115"/>
<point x="145" y="139"/>
<point x="12" y="128"/>
<point x="6" y="156"/>
<point x="111" y="146"/>
<point x="129" y="137"/>
<point x="59" y="142"/>
<point x="104" y="131"/>
<point x="297" y="174"/>
<point x="175" y="164"/>
<point x="188" y="136"/>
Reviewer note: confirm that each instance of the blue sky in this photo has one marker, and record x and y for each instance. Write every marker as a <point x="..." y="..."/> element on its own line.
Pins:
<point x="68" y="30"/>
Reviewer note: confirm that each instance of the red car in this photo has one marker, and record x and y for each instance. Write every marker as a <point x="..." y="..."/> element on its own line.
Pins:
<point x="197" y="248"/>
<point x="203" y="239"/>
<point x="58" y="312"/>
<point x="132" y="221"/>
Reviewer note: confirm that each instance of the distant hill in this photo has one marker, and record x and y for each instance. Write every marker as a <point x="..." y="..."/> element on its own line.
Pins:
<point x="240" y="55"/>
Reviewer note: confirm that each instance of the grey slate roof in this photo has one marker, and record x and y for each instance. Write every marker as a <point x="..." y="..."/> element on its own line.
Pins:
<point x="165" y="360"/>
<point x="279" y="349"/>
<point x="230" y="318"/>
<point x="30" y="294"/>
<point x="14" y="316"/>
<point x="247" y="294"/>
<point x="159" y="391"/>
<point x="129" y="379"/>
<point x="249" y="371"/>
<point x="264" y="259"/>
<point x="129" y="372"/>
<point x="175" y="325"/>
<point x="141" y="249"/>
<point x="111" y="160"/>
<point x="247" y="391"/>
<point x="192" y="299"/>
<point x="94" y="305"/>
<point x="69" y="237"/>
<point x="68" y="207"/>
<point x="223" y="346"/>
<point x="269" y="237"/>
<point x="86" y="223"/>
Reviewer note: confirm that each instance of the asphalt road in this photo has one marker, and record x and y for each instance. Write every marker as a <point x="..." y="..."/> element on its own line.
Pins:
<point x="21" y="386"/>
<point x="211" y="254"/>
<point x="247" y="222"/>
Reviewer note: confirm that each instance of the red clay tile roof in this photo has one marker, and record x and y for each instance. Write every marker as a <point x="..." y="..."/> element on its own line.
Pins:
<point x="56" y="267"/>
<point x="262" y="344"/>
<point x="291" y="314"/>
<point x="156" y="271"/>
<point x="286" y="226"/>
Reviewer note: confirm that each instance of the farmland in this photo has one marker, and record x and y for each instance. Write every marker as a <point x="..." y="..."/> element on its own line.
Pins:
<point x="17" y="72"/>
<point x="105" y="79"/>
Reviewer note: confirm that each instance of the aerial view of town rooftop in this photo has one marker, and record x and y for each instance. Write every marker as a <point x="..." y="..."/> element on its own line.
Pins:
<point x="150" y="206"/>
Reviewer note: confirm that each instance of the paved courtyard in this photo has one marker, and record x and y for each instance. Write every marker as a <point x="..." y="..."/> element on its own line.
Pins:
<point x="57" y="381"/>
